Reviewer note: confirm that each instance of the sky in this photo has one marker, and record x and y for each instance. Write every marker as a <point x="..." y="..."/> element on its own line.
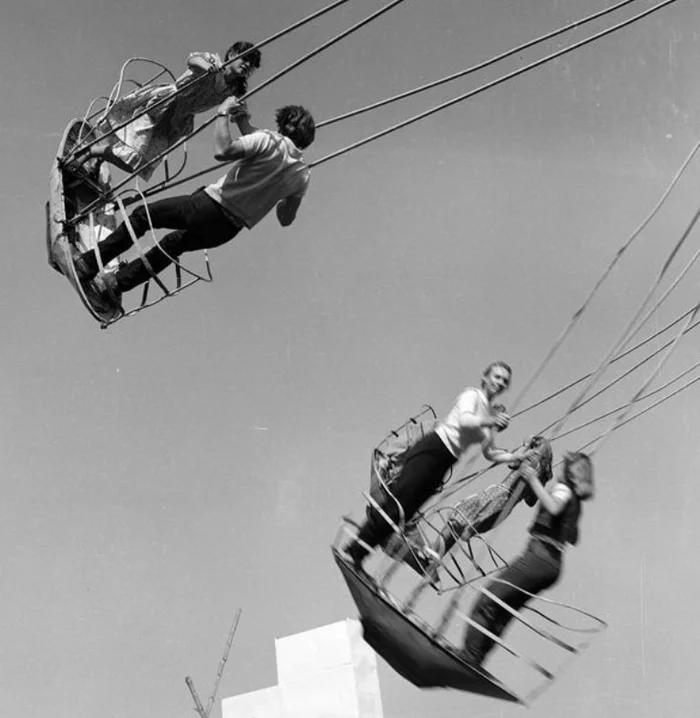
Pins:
<point x="197" y="458"/>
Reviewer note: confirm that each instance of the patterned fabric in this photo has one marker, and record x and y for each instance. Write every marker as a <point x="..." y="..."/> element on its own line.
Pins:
<point x="160" y="128"/>
<point x="480" y="512"/>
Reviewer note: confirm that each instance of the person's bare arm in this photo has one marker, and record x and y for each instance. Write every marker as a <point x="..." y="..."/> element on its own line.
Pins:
<point x="226" y="148"/>
<point x="550" y="501"/>
<point x="501" y="456"/>
<point x="287" y="210"/>
<point x="242" y="120"/>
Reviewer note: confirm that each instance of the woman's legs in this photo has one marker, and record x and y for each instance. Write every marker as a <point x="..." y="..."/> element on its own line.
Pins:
<point x="535" y="570"/>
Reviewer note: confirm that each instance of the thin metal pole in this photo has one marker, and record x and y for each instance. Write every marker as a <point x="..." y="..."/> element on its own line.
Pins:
<point x="222" y="663"/>
<point x="195" y="697"/>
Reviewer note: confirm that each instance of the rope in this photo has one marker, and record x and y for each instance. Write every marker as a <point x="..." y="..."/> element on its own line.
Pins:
<point x="618" y="255"/>
<point x="646" y="396"/>
<point x="474" y="68"/>
<point x="665" y="295"/>
<point x="617" y="358"/>
<point x="643" y="411"/>
<point x="491" y="84"/>
<point x="637" y="396"/>
<point x="622" y="376"/>
<point x="626" y="373"/>
<point x="604" y="363"/>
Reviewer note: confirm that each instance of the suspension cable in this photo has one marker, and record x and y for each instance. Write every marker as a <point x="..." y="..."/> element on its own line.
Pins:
<point x="491" y="84"/>
<point x="605" y="362"/>
<point x="475" y="68"/>
<point x="628" y="372"/>
<point x="449" y="103"/>
<point x="665" y="295"/>
<point x="199" y="78"/>
<point x="638" y="394"/>
<point x="252" y="92"/>
<point x="617" y="257"/>
<point x="620" y="424"/>
<point x="645" y="396"/>
<point x="617" y="358"/>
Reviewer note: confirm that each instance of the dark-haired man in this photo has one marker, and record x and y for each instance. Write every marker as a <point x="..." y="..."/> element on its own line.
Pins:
<point x="267" y="171"/>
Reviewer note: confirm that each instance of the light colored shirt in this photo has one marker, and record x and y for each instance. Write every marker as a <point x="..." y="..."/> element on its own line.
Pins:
<point x="272" y="169"/>
<point x="461" y="428"/>
<point x="563" y="493"/>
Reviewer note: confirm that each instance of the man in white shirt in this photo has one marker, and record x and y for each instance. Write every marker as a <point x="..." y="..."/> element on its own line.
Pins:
<point x="473" y="421"/>
<point x="267" y="171"/>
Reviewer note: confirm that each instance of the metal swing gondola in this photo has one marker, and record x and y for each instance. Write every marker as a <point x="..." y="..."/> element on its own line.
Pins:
<point x="84" y="206"/>
<point x="411" y="617"/>
<point x="409" y="645"/>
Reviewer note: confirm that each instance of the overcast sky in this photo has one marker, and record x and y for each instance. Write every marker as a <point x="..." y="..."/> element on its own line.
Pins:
<point x="198" y="457"/>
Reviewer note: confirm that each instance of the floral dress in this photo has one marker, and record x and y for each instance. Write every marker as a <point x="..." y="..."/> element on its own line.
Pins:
<point x="159" y="128"/>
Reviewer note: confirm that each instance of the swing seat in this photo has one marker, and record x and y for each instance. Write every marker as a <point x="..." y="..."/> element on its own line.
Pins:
<point x="72" y="189"/>
<point x="409" y="646"/>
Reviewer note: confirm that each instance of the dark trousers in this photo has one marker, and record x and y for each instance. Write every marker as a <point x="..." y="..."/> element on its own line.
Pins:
<point x="535" y="570"/>
<point x="200" y="220"/>
<point x="422" y="475"/>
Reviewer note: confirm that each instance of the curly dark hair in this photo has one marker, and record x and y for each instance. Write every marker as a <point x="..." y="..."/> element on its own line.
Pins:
<point x="239" y="85"/>
<point x="238" y="48"/>
<point x="296" y="122"/>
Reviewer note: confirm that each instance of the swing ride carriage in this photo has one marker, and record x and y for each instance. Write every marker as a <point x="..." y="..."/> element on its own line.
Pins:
<point x="413" y="611"/>
<point x="85" y="205"/>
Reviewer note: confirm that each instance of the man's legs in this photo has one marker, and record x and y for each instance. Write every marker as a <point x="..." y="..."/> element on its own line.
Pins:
<point x="534" y="571"/>
<point x="197" y="212"/>
<point x="423" y="472"/>
<point x="169" y="249"/>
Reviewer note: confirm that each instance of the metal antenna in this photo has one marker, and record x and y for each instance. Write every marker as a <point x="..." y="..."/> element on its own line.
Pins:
<point x="204" y="713"/>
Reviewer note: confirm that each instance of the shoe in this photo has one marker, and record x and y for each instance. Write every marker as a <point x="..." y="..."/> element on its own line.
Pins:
<point x="82" y="269"/>
<point x="429" y="561"/>
<point x="85" y="173"/>
<point x="108" y="284"/>
<point x="424" y="561"/>
<point x="103" y="294"/>
<point x="356" y="553"/>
